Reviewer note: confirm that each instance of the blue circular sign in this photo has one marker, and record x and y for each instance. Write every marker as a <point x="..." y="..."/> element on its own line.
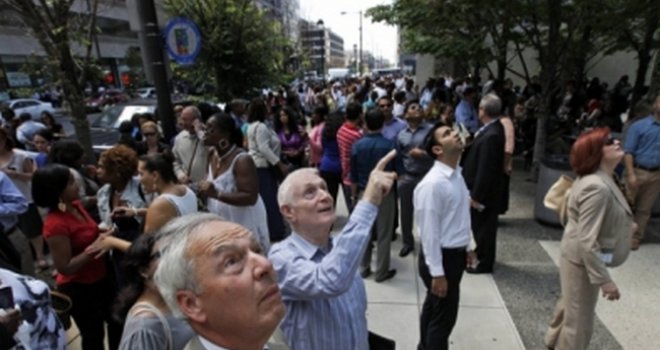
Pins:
<point x="183" y="40"/>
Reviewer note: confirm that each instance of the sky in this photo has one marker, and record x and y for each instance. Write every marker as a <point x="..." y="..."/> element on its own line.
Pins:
<point x="378" y="38"/>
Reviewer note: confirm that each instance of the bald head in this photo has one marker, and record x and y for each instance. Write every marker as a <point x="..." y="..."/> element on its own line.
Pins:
<point x="188" y="117"/>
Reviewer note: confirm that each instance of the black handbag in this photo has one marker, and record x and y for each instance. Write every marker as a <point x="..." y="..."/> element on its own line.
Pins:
<point x="378" y="342"/>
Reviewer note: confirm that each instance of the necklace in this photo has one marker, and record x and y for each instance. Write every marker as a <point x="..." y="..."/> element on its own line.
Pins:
<point x="227" y="154"/>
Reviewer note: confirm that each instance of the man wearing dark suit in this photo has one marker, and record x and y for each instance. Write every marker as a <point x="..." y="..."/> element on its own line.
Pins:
<point x="482" y="170"/>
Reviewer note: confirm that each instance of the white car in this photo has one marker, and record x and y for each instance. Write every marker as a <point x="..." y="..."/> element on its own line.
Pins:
<point x="146" y="92"/>
<point x="28" y="105"/>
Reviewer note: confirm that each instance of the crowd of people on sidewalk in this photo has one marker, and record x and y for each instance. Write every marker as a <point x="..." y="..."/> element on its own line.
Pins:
<point x="221" y="237"/>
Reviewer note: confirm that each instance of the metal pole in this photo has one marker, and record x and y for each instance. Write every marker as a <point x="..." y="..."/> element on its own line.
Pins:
<point x="154" y="50"/>
<point x="360" y="42"/>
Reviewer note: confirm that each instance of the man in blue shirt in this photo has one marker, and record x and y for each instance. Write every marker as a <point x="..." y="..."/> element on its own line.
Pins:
<point x="324" y="296"/>
<point x="465" y="113"/>
<point x="414" y="164"/>
<point x="642" y="162"/>
<point x="392" y="125"/>
<point x="364" y="156"/>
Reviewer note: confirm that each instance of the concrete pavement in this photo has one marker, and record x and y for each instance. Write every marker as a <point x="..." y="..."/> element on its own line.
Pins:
<point x="510" y="309"/>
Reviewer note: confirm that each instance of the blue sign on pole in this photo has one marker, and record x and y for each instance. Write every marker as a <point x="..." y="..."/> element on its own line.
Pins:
<point x="183" y="40"/>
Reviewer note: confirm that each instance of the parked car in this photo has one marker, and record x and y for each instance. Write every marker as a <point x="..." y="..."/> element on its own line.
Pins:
<point x="105" y="98"/>
<point x="146" y="92"/>
<point x="28" y="105"/>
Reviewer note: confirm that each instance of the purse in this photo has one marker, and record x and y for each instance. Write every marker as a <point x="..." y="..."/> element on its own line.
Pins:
<point x="556" y="198"/>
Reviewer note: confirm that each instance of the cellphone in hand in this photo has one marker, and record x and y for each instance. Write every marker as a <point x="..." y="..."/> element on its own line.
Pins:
<point x="6" y="298"/>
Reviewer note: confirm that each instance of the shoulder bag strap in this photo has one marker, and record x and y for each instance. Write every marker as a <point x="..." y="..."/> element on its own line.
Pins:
<point x="144" y="307"/>
<point x="192" y="158"/>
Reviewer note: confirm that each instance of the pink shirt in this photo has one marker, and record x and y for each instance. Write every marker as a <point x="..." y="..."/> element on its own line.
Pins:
<point x="315" y="147"/>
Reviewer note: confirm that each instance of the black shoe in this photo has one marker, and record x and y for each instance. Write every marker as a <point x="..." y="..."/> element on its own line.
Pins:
<point x="405" y="251"/>
<point x="394" y="236"/>
<point x="478" y="270"/>
<point x="365" y="273"/>
<point x="387" y="276"/>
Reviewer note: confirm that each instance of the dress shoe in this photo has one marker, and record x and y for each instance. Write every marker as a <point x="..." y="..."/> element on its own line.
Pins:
<point x="387" y="276"/>
<point x="478" y="270"/>
<point x="365" y="273"/>
<point x="405" y="251"/>
<point x="634" y="244"/>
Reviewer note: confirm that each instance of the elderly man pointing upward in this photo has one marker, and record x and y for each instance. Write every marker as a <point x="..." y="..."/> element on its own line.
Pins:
<point x="317" y="274"/>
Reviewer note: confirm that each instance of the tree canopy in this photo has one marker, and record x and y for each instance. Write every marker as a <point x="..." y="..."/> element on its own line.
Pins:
<point x="242" y="49"/>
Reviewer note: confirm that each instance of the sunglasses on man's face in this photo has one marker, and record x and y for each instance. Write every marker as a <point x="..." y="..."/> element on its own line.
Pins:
<point x="385" y="105"/>
<point x="148" y="134"/>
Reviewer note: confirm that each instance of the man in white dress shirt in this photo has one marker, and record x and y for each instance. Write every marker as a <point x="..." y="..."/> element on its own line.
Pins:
<point x="442" y="211"/>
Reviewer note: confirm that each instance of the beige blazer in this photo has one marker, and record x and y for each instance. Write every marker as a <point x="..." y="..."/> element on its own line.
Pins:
<point x="276" y="342"/>
<point x="599" y="220"/>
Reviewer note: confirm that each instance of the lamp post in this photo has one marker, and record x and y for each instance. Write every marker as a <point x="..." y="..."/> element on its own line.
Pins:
<point x="360" y="29"/>
<point x="321" y="26"/>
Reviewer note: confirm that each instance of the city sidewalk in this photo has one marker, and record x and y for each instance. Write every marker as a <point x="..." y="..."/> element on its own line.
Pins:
<point x="395" y="306"/>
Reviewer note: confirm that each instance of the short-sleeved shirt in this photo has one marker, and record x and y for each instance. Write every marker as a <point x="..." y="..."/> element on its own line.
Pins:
<point x="81" y="234"/>
<point x="347" y="135"/>
<point x="643" y="142"/>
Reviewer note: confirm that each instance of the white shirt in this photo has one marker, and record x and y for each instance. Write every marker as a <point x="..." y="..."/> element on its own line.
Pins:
<point x="208" y="345"/>
<point x="442" y="212"/>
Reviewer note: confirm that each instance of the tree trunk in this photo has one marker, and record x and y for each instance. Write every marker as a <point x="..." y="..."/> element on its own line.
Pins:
<point x="73" y="93"/>
<point x="654" y="86"/>
<point x="549" y="65"/>
<point x="644" y="58"/>
<point x="644" y="55"/>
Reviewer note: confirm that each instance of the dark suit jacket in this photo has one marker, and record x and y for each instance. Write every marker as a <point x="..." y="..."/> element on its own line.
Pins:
<point x="482" y="166"/>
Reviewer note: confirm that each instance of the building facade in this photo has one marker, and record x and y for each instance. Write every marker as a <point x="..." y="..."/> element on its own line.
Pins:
<point x="323" y="47"/>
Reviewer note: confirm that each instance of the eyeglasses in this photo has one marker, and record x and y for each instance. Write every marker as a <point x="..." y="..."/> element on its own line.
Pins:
<point x="148" y="134"/>
<point x="385" y="105"/>
<point x="610" y="140"/>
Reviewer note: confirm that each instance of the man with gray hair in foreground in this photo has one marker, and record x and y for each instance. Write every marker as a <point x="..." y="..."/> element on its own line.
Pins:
<point x="213" y="273"/>
<point x="324" y="295"/>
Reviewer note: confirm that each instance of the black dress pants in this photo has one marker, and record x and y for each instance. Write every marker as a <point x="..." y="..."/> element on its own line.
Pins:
<point x="439" y="314"/>
<point x="91" y="308"/>
<point x="484" y="228"/>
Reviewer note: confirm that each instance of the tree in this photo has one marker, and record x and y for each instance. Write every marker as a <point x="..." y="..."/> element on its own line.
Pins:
<point x="636" y="28"/>
<point x="472" y="33"/>
<point x="58" y="30"/>
<point x="242" y="49"/>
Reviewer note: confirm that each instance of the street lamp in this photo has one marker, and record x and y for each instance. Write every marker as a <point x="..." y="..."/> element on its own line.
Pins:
<point x="321" y="26"/>
<point x="360" y="28"/>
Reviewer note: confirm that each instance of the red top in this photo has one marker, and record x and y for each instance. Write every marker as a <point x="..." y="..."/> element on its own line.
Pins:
<point x="347" y="135"/>
<point x="81" y="234"/>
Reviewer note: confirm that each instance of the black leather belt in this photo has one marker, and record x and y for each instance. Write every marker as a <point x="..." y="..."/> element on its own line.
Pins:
<point x="647" y="168"/>
<point x="457" y="249"/>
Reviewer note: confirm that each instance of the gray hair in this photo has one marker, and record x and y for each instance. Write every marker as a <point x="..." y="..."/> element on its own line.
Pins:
<point x="195" y="111"/>
<point x="285" y="193"/>
<point x="175" y="272"/>
<point x="492" y="105"/>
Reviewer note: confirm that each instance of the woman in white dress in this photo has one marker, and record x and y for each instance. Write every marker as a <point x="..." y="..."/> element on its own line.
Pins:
<point x="232" y="186"/>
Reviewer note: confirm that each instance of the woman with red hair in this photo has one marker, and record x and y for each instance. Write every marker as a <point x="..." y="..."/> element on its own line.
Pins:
<point x="597" y="236"/>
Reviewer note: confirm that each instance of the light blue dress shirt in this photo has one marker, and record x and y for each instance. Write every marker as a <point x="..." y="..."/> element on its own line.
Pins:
<point x="643" y="142"/>
<point x="12" y="202"/>
<point x="467" y="115"/>
<point x="324" y="295"/>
